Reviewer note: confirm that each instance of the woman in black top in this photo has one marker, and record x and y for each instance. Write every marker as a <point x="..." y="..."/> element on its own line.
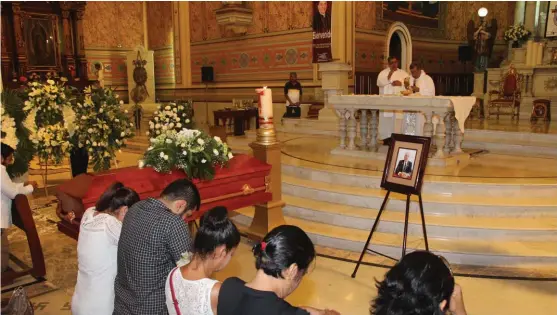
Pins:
<point x="281" y="259"/>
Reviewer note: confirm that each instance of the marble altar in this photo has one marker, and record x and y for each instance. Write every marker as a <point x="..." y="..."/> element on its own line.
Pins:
<point x="447" y="131"/>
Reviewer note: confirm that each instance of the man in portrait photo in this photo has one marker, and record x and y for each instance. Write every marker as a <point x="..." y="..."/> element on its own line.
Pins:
<point x="322" y="18"/>
<point x="404" y="167"/>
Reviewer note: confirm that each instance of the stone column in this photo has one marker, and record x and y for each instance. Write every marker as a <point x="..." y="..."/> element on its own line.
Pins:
<point x="519" y="8"/>
<point x="530" y="16"/>
<point x="334" y="81"/>
<point x="80" y="43"/>
<point x="19" y="40"/>
<point x="67" y="53"/>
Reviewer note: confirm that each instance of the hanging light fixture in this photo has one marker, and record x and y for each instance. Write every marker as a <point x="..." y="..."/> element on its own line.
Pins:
<point x="482" y="12"/>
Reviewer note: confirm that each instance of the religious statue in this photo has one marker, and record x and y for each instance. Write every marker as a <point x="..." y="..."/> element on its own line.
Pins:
<point x="482" y="39"/>
<point x="99" y="70"/>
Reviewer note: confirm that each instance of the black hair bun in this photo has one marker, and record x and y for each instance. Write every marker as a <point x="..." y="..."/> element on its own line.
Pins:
<point x="214" y="218"/>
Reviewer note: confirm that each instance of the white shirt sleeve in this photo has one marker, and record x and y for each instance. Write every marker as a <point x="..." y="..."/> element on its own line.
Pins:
<point x="427" y="87"/>
<point x="113" y="229"/>
<point x="11" y="189"/>
<point x="382" y="79"/>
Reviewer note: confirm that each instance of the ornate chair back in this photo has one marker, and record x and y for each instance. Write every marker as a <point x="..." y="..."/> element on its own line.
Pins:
<point x="510" y="84"/>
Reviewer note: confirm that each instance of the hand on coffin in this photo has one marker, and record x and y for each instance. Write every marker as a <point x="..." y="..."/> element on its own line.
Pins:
<point x="32" y="183"/>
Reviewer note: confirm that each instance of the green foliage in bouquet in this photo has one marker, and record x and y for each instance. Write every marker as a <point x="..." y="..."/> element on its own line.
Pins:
<point x="172" y="116"/>
<point x="192" y="151"/>
<point x="24" y="150"/>
<point x="101" y="126"/>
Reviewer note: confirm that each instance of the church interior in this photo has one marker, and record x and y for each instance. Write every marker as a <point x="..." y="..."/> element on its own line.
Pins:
<point x="483" y="142"/>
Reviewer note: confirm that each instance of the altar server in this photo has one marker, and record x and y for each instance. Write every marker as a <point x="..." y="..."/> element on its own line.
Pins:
<point x="154" y="237"/>
<point x="420" y="82"/>
<point x="293" y="95"/>
<point x="390" y="80"/>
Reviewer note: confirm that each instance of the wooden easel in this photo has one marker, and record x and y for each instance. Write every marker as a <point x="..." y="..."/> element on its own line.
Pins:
<point x="366" y="246"/>
<point x="392" y="184"/>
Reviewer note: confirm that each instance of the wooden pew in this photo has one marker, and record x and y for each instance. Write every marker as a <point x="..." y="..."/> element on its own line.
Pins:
<point x="22" y="217"/>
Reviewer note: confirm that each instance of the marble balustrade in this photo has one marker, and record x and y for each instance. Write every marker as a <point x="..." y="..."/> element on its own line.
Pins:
<point x="447" y="138"/>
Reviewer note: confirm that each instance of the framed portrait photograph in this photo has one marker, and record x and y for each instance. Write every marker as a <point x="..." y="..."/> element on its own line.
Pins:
<point x="551" y="24"/>
<point x="405" y="164"/>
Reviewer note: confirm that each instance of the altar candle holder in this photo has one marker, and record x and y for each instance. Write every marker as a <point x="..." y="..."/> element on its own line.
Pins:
<point x="266" y="134"/>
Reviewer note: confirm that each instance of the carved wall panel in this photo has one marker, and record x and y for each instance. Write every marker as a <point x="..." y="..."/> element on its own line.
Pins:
<point x="278" y="16"/>
<point x="159" y="24"/>
<point x="365" y="14"/>
<point x="259" y="23"/>
<point x="197" y="23"/>
<point x="115" y="24"/>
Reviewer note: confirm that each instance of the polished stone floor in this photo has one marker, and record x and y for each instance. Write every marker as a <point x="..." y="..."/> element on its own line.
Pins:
<point x="506" y="124"/>
<point x="329" y="283"/>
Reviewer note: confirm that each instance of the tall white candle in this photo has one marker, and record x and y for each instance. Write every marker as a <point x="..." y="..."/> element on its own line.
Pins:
<point x="529" y="52"/>
<point x="265" y="103"/>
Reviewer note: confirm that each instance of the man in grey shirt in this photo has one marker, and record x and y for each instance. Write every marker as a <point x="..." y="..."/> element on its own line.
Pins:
<point x="153" y="238"/>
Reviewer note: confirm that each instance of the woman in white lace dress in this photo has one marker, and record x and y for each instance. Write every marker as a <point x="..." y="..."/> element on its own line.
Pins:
<point x="97" y="249"/>
<point x="189" y="289"/>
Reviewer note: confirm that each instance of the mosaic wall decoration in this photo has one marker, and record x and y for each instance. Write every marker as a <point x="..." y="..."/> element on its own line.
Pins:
<point x="160" y="24"/>
<point x="114" y="24"/>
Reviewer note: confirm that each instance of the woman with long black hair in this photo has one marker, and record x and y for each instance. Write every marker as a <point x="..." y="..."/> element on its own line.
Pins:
<point x="97" y="250"/>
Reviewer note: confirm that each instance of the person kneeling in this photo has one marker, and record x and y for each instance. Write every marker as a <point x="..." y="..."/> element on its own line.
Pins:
<point x="281" y="259"/>
<point x="421" y="283"/>
<point x="97" y="249"/>
<point x="189" y="289"/>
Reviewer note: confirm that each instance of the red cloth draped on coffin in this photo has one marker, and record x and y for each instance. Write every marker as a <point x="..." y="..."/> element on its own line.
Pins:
<point x="243" y="183"/>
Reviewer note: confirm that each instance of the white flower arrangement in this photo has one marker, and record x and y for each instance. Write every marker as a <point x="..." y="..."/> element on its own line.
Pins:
<point x="192" y="151"/>
<point x="8" y="129"/>
<point x="171" y="116"/>
<point x="52" y="143"/>
<point x="516" y="33"/>
<point x="100" y="126"/>
<point x="49" y="100"/>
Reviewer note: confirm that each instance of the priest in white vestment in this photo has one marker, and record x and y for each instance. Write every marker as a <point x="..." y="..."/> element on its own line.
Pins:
<point x="390" y="82"/>
<point x="420" y="82"/>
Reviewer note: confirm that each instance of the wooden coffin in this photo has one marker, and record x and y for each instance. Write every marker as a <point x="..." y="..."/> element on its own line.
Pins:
<point x="243" y="183"/>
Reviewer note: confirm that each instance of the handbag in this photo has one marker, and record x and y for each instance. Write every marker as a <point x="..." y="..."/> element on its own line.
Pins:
<point x="19" y="304"/>
<point x="174" y="300"/>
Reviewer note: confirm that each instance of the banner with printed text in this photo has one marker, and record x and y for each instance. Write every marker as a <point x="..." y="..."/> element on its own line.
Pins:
<point x="322" y="31"/>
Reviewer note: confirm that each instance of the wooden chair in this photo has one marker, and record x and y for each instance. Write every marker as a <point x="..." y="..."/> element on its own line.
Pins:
<point x="22" y="217"/>
<point x="508" y="96"/>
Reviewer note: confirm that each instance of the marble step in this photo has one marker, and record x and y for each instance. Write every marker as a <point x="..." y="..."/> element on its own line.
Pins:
<point x="449" y="227"/>
<point x="435" y="204"/>
<point x="461" y="251"/>
<point x="484" y="187"/>
<point x="512" y="146"/>
<point x="494" y="135"/>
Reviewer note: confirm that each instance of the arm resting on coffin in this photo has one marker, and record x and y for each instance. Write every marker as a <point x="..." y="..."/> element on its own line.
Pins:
<point x="178" y="239"/>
